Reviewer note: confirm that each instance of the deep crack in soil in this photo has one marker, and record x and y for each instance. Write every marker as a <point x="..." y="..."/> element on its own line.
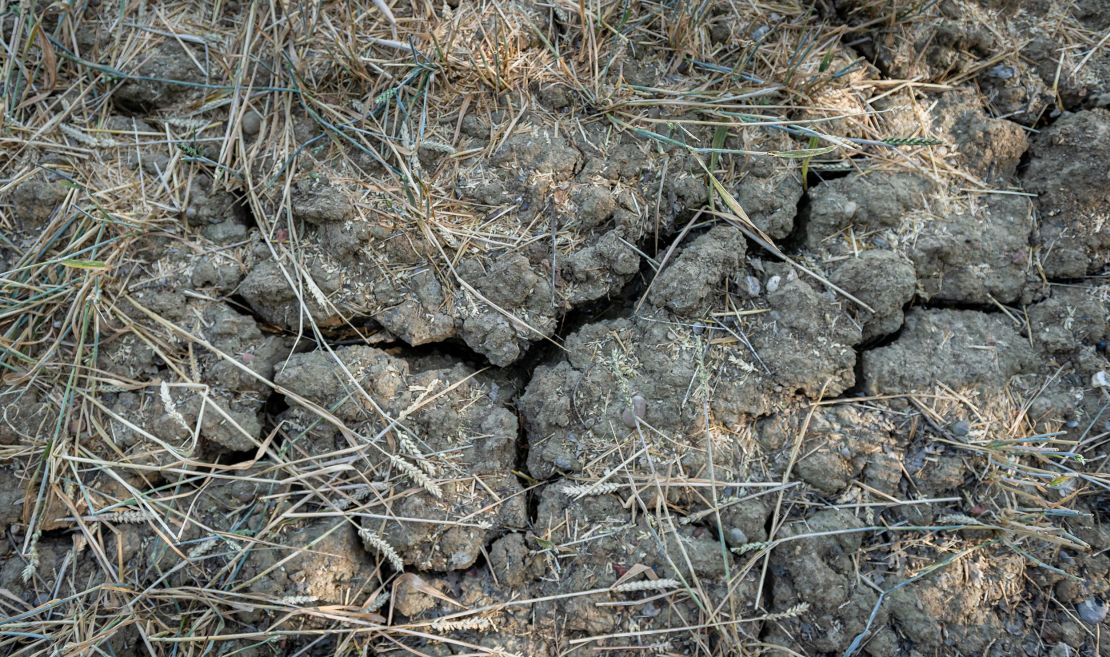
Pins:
<point x="402" y="329"/>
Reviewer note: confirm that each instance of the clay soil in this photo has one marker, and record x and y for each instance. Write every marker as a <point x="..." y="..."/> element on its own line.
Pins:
<point x="550" y="327"/>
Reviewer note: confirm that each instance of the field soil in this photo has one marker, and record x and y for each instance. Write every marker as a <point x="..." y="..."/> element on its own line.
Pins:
<point x="551" y="329"/>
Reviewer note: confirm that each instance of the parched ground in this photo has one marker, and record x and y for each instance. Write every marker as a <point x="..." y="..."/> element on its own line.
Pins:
<point x="509" y="327"/>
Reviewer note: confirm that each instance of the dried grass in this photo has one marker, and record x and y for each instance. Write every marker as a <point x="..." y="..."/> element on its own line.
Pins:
<point x="100" y="236"/>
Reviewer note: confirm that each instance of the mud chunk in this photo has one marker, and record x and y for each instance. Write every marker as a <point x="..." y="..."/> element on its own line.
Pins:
<point x="988" y="148"/>
<point x="437" y="547"/>
<point x="515" y="288"/>
<point x="1068" y="320"/>
<point x="770" y="188"/>
<point x="954" y="347"/>
<point x="534" y="150"/>
<point x="622" y="541"/>
<point x="231" y="422"/>
<point x="686" y="190"/>
<point x="23" y="415"/>
<point x="821" y="572"/>
<point x="808" y="338"/>
<point x="883" y="280"/>
<point x="163" y="69"/>
<point x="418" y="318"/>
<point x="975" y="254"/>
<point x="413" y="595"/>
<point x="573" y="407"/>
<point x="962" y="38"/>
<point x="841" y="444"/>
<point x="11" y="497"/>
<point x="147" y="413"/>
<point x="945" y="45"/>
<point x="129" y="356"/>
<point x="318" y="200"/>
<point x="508" y="283"/>
<point x="599" y="270"/>
<point x="34" y="199"/>
<point x="1015" y="92"/>
<point x="327" y="572"/>
<point x="238" y="337"/>
<point x="494" y="336"/>
<point x="625" y="161"/>
<point x="873" y="202"/>
<point x="938" y="475"/>
<point x="510" y="561"/>
<point x="963" y="248"/>
<point x="1067" y="170"/>
<point x="213" y="212"/>
<point x="595" y="204"/>
<point x="51" y="553"/>
<point x="685" y="286"/>
<point x="464" y="434"/>
<point x="956" y="607"/>
<point x="748" y="518"/>
<point x="218" y="272"/>
<point x="266" y="290"/>
<point x="1076" y="86"/>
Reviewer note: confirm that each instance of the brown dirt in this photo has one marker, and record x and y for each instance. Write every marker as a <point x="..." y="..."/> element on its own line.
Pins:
<point x="517" y="328"/>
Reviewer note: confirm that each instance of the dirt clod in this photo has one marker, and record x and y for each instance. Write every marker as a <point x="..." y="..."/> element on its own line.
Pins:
<point x="510" y="328"/>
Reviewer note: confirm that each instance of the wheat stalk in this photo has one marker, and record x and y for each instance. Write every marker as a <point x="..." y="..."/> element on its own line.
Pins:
<point x="410" y="448"/>
<point x="793" y="612"/>
<point x="84" y="138"/>
<point x="377" y="603"/>
<point x="32" y="558"/>
<point x="578" y="490"/>
<point x="417" y="475"/>
<point x="385" y="549"/>
<point x="647" y="585"/>
<point x="202" y="548"/>
<point x="170" y="406"/>
<point x="187" y="124"/>
<point x="958" y="519"/>
<point x="478" y="623"/>
<point x="748" y="547"/>
<point x="124" y="517"/>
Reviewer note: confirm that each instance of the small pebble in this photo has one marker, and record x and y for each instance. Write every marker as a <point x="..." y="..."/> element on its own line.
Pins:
<point x="1002" y="72"/>
<point x="638" y="410"/>
<point x="251" y="122"/>
<point x="736" y="537"/>
<point x="961" y="428"/>
<point x="1100" y="379"/>
<point x="564" y="463"/>
<point x="773" y="283"/>
<point x="752" y="286"/>
<point x="1071" y="424"/>
<point x="1092" y="611"/>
